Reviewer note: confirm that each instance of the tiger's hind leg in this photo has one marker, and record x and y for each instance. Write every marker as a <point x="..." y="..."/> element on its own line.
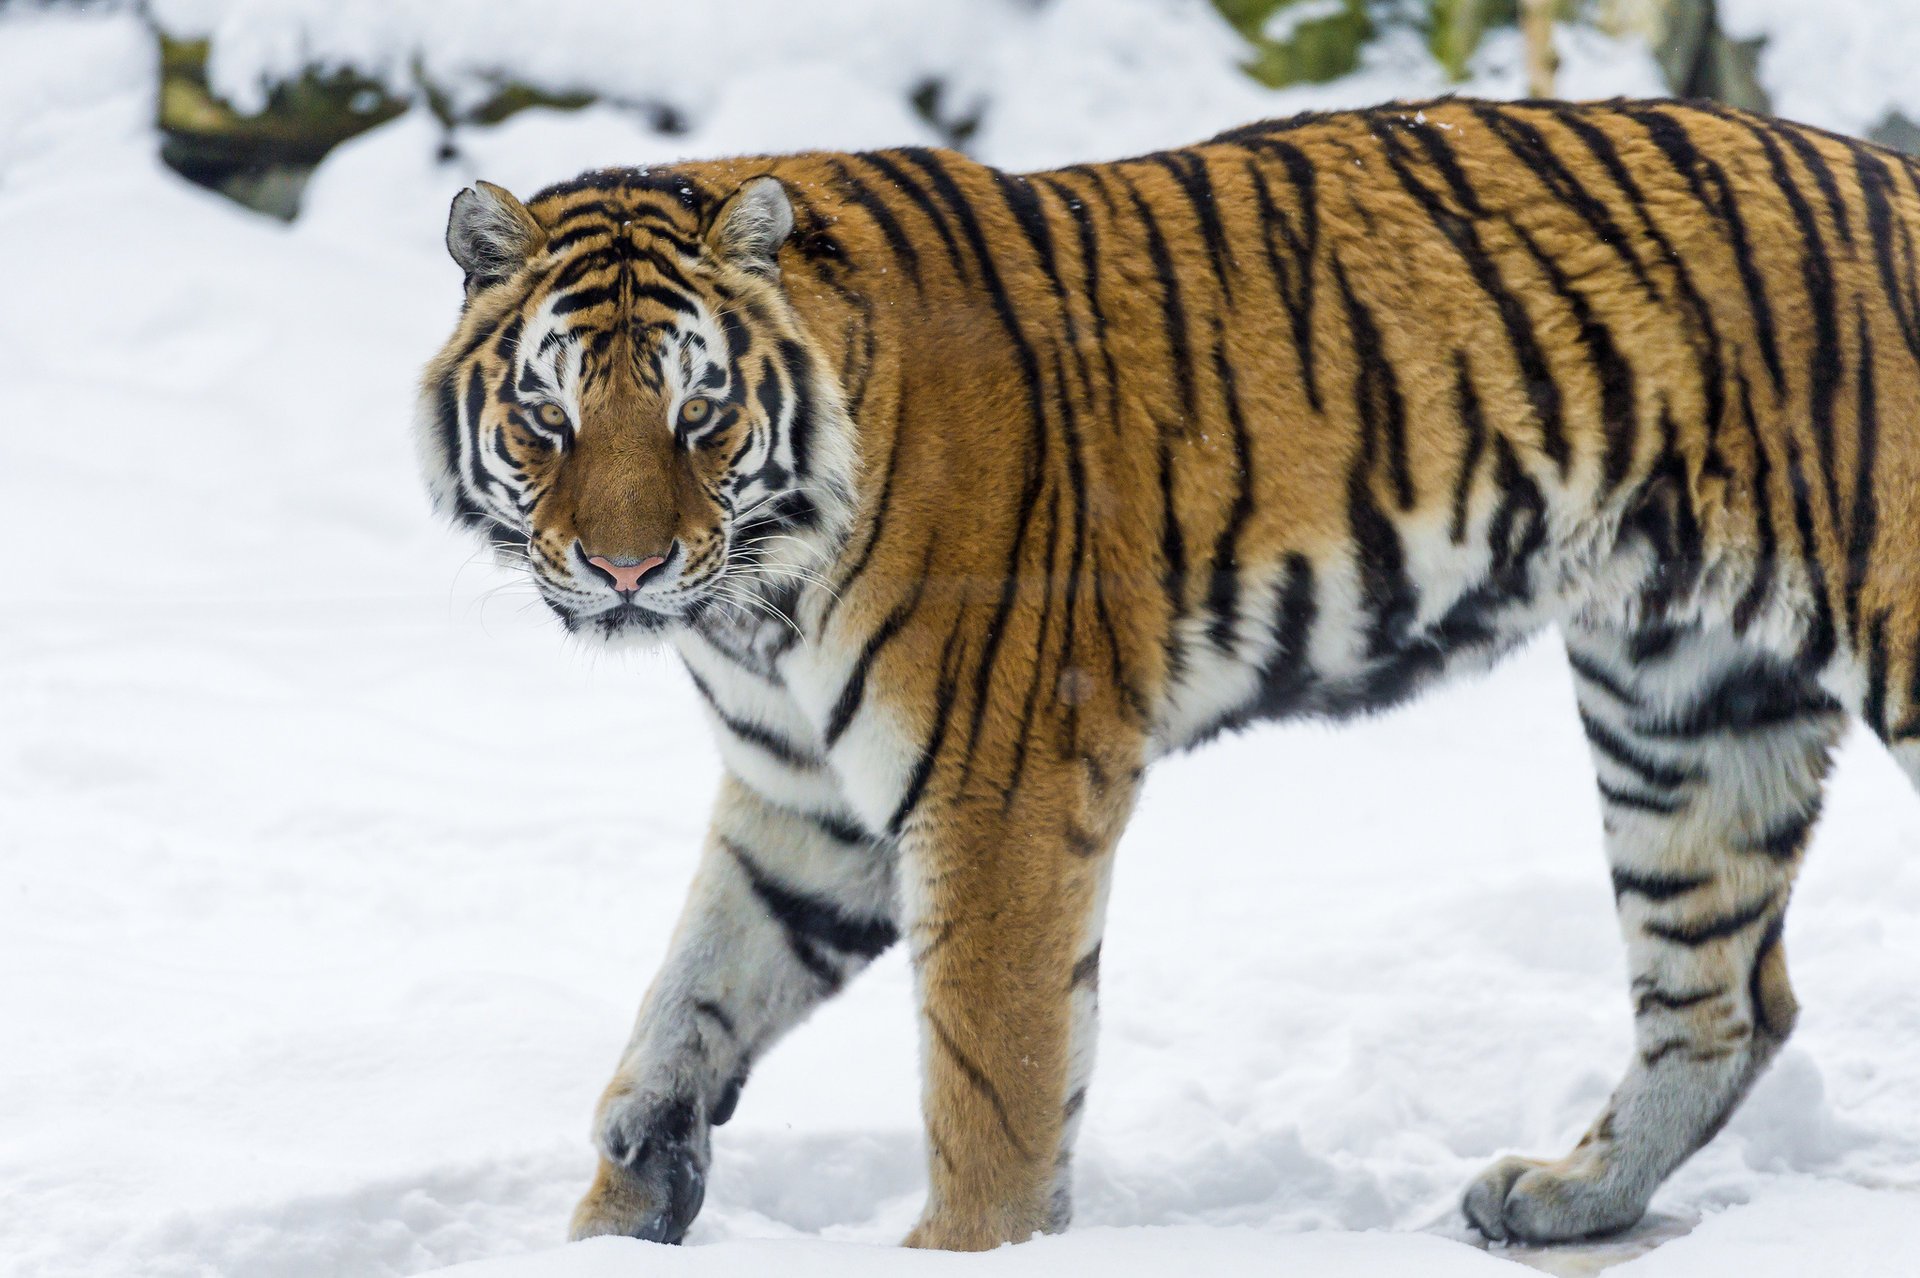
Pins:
<point x="1711" y="757"/>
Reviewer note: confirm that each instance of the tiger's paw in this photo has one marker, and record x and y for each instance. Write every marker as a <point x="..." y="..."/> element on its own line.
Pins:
<point x="1525" y="1200"/>
<point x="653" y="1172"/>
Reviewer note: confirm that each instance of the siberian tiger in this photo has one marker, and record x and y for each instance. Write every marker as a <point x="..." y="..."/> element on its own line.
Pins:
<point x="965" y="495"/>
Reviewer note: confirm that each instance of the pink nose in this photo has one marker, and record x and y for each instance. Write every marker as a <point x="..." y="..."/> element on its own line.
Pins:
<point x="626" y="577"/>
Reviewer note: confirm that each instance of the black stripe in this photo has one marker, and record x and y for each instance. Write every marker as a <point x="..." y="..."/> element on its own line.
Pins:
<point x="1089" y="242"/>
<point x="976" y="1076"/>
<point x="1673" y="140"/>
<point x="883" y="161"/>
<point x="1173" y="312"/>
<point x="771" y="396"/>
<point x="670" y="269"/>
<point x="1665" y="776"/>
<point x="1652" y="996"/>
<point x="1460" y="230"/>
<point x="1600" y="677"/>
<point x="1767" y="553"/>
<point x="1816" y="164"/>
<point x="1748" y="698"/>
<point x="1376" y="394"/>
<point x="956" y="201"/>
<point x="877" y="525"/>
<point x="1817" y="647"/>
<point x="1653" y="641"/>
<point x="1704" y="336"/>
<point x="1030" y="213"/>
<point x="1293" y="275"/>
<point x="1719" y="927"/>
<point x="739" y="339"/>
<point x="1610" y="369"/>
<point x="447" y="420"/>
<point x="1288" y="677"/>
<point x="1531" y="148"/>
<point x="1910" y="725"/>
<point x="1654" y="1055"/>
<point x="717" y="1014"/>
<point x="1173" y="560"/>
<point x="1078" y="560"/>
<point x="1224" y="590"/>
<point x="942" y="716"/>
<point x="1816" y="273"/>
<point x="1876" y="188"/>
<point x="847" y="704"/>
<point x="1518" y="530"/>
<point x="812" y="924"/>
<point x="574" y="271"/>
<point x="793" y="358"/>
<point x="840" y="829"/>
<point x="1656" y="887"/>
<point x="1865" y="518"/>
<point x="476" y="408"/>
<point x="754" y="734"/>
<point x="578" y="235"/>
<point x="1873" y="707"/>
<point x="590" y="209"/>
<point x="1474" y="425"/>
<point x="1130" y="695"/>
<point x="1784" y="839"/>
<point x="668" y="299"/>
<point x="1655" y="804"/>
<point x="876" y="208"/>
<point x="1031" y="218"/>
<point x="1042" y="651"/>
<point x="1087" y="970"/>
<point x="1083" y="843"/>
<point x="1189" y="171"/>
<point x="597" y="295"/>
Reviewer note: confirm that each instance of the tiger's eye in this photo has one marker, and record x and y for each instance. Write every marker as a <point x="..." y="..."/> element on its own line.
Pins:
<point x="695" y="411"/>
<point x="552" y="416"/>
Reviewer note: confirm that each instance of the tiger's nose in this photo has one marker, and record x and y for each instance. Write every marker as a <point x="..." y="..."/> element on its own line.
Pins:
<point x="626" y="573"/>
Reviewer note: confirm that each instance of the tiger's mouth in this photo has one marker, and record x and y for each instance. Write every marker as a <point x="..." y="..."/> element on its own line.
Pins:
<point x="730" y="587"/>
<point x="626" y="619"/>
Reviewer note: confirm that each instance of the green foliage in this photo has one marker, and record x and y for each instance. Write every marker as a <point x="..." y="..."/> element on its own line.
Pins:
<point x="303" y="118"/>
<point x="1455" y="28"/>
<point x="1320" y="42"/>
<point x="263" y="159"/>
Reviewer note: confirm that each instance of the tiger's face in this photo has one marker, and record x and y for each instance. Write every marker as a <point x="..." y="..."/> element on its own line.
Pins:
<point x="628" y="409"/>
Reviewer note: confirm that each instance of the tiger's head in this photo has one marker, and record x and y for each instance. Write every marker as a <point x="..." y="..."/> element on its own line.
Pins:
<point x="629" y="408"/>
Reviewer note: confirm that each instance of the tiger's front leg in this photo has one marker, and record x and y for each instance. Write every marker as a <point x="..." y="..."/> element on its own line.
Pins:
<point x="783" y="910"/>
<point x="1005" y="903"/>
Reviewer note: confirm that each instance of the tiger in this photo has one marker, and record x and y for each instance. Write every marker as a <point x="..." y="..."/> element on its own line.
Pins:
<point x="964" y="495"/>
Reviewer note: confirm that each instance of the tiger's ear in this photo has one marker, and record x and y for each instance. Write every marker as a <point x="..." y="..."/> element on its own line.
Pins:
<point x="491" y="234"/>
<point x="752" y="225"/>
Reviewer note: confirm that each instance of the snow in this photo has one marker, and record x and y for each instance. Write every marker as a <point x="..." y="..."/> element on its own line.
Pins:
<point x="1840" y="64"/>
<point x="330" y="876"/>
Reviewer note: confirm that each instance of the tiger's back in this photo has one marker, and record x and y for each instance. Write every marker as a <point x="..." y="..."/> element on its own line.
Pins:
<point x="1369" y="393"/>
<point x="1072" y="469"/>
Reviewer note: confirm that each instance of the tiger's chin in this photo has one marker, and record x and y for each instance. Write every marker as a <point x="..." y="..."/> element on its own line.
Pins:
<point x="621" y="626"/>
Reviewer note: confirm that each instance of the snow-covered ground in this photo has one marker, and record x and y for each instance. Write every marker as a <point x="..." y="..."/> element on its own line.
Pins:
<point x="330" y="876"/>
